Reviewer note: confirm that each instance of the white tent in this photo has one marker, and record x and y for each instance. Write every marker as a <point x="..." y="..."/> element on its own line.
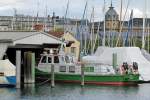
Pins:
<point x="124" y="54"/>
<point x="7" y="68"/>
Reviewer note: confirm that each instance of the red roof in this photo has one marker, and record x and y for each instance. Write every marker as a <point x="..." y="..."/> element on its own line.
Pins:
<point x="38" y="27"/>
<point x="57" y="34"/>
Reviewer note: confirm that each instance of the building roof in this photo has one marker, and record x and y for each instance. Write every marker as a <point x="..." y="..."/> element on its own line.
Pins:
<point x="15" y="35"/>
<point x="111" y="14"/>
<point x="29" y="38"/>
<point x="57" y="34"/>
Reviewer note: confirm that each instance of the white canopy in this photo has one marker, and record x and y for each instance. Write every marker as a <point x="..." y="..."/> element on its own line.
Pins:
<point x="124" y="54"/>
<point x="7" y="68"/>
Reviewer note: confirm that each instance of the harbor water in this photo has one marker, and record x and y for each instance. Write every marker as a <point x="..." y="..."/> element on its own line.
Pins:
<point x="76" y="92"/>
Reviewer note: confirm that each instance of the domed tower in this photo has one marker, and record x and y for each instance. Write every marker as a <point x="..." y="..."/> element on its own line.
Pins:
<point x="111" y="19"/>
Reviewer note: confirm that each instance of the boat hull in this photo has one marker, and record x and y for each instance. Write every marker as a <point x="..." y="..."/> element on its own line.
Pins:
<point x="7" y="81"/>
<point x="129" y="79"/>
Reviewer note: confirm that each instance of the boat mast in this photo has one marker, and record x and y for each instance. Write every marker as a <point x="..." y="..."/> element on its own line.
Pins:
<point x="103" y="41"/>
<point x="85" y="35"/>
<point x="148" y="38"/>
<point x="45" y="23"/>
<point x="38" y="3"/>
<point x="82" y="22"/>
<point x="120" y="25"/>
<point x="111" y="30"/>
<point x="65" y="19"/>
<point x="143" y="35"/>
<point x="92" y="30"/>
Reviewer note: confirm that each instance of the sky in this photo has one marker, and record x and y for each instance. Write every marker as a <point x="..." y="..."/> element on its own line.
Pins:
<point x="75" y="10"/>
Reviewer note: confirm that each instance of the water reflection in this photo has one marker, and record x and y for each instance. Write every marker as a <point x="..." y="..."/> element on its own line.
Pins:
<point x="76" y="92"/>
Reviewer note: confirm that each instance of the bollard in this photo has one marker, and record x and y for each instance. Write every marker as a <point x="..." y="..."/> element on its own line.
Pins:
<point x="82" y="74"/>
<point x="33" y="68"/>
<point x="29" y="67"/>
<point x="25" y="67"/>
<point x="52" y="73"/>
<point x="18" y="69"/>
<point x="114" y="62"/>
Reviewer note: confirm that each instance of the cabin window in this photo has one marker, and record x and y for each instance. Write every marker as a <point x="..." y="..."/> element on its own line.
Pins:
<point x="72" y="69"/>
<point x="67" y="59"/>
<point x="71" y="60"/>
<point x="56" y="59"/>
<point x="62" y="59"/>
<point x="89" y="69"/>
<point x="43" y="59"/>
<point x="62" y="68"/>
<point x="49" y="60"/>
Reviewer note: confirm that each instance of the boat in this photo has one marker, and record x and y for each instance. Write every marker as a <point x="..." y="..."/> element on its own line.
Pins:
<point x="68" y="70"/>
<point x="7" y="73"/>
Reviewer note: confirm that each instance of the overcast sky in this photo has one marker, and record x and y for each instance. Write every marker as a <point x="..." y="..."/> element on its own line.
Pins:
<point x="76" y="7"/>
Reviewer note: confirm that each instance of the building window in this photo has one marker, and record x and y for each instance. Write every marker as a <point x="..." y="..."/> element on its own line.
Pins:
<point x="114" y="24"/>
<point x="108" y="24"/>
<point x="73" y="50"/>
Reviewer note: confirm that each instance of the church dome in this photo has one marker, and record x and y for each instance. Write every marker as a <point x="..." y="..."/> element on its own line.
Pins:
<point x="111" y="14"/>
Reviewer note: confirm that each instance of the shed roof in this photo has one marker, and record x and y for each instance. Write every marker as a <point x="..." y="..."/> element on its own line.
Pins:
<point x="18" y="36"/>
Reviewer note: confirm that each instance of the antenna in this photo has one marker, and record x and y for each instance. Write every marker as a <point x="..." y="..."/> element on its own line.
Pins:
<point x="111" y="3"/>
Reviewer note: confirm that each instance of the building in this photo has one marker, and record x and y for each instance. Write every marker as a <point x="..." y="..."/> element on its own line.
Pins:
<point x="113" y="23"/>
<point x="20" y="22"/>
<point x="74" y="48"/>
<point x="73" y="45"/>
<point x="35" y="42"/>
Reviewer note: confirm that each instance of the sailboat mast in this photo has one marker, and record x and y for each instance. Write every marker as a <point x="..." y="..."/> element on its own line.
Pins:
<point x="103" y="41"/>
<point x="120" y="25"/>
<point x="148" y="38"/>
<point x="38" y="3"/>
<point x="45" y="23"/>
<point x="65" y="19"/>
<point x="92" y="30"/>
<point x="83" y="17"/>
<point x="143" y="35"/>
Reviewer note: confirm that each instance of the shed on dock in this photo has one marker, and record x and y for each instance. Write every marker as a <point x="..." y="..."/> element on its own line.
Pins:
<point x="26" y="41"/>
<point x="35" y="42"/>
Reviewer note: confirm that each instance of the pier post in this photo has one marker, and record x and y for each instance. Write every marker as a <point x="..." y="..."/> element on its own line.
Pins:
<point x="33" y="68"/>
<point x="82" y="74"/>
<point x="18" y="69"/>
<point x="29" y="67"/>
<point x="114" y="62"/>
<point x="52" y="73"/>
<point x="25" y="67"/>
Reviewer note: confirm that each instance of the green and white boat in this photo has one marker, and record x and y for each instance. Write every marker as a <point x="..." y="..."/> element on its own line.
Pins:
<point x="68" y="70"/>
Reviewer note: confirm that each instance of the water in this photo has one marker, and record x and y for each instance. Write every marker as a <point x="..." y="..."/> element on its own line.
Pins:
<point x="76" y="92"/>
